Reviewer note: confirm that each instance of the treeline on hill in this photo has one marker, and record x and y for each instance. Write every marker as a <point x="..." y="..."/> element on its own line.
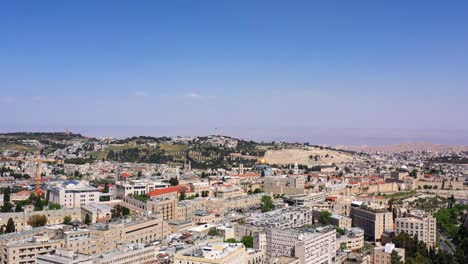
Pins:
<point x="249" y="148"/>
<point x="40" y="135"/>
<point x="450" y="159"/>
<point x="140" y="155"/>
<point x="142" y="140"/>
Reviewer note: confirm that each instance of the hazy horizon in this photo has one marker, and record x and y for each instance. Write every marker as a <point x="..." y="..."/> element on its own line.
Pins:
<point x="320" y="136"/>
<point x="334" y="72"/>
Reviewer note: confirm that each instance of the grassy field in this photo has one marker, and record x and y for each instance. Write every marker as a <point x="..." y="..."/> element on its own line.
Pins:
<point x="103" y="153"/>
<point x="15" y="147"/>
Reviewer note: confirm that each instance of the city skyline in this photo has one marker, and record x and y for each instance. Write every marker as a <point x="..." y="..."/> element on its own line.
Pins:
<point x="329" y="73"/>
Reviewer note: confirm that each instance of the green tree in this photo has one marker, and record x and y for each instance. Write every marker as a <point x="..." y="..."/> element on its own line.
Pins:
<point x="395" y="258"/>
<point x="213" y="231"/>
<point x="67" y="219"/>
<point x="173" y="181"/>
<point x="87" y="220"/>
<point x="257" y="190"/>
<point x="247" y="241"/>
<point x="37" y="220"/>
<point x="7" y="205"/>
<point x="266" y="204"/>
<point x="325" y="217"/>
<point x="182" y="195"/>
<point x="340" y="231"/>
<point x="18" y="208"/>
<point x="6" y="195"/>
<point x="54" y="206"/>
<point x="230" y="240"/>
<point x="125" y="211"/>
<point x="10" y="227"/>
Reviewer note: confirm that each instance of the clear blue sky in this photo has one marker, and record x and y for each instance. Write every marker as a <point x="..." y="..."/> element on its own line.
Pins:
<point x="335" y="72"/>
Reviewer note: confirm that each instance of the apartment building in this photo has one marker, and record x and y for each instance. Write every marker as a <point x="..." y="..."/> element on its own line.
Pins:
<point x="25" y="251"/>
<point x="228" y="191"/>
<point x="425" y="227"/>
<point x="284" y="184"/>
<point x="167" y="207"/>
<point x="73" y="194"/>
<point x="144" y="230"/>
<point x="353" y="239"/>
<point x="137" y="187"/>
<point x="64" y="256"/>
<point x="96" y="212"/>
<point x="373" y="219"/>
<point x="308" y="245"/>
<point x="289" y="217"/>
<point x="382" y="255"/>
<point x="78" y="240"/>
<point x="340" y="221"/>
<point x="219" y="253"/>
<point x="305" y="199"/>
<point x="129" y="253"/>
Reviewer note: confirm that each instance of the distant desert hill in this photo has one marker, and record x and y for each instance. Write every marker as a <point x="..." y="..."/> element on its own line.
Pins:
<point x="420" y="146"/>
<point x="303" y="156"/>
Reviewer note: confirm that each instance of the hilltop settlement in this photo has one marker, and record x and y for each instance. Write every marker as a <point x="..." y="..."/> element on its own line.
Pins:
<point x="67" y="198"/>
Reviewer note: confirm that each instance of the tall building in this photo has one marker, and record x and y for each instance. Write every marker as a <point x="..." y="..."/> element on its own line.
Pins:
<point x="423" y="226"/>
<point x="373" y="219"/>
<point x="219" y="253"/>
<point x="284" y="184"/>
<point x="308" y="245"/>
<point x="73" y="194"/>
<point x="26" y="250"/>
<point x="382" y="255"/>
<point x="64" y="256"/>
<point x="128" y="253"/>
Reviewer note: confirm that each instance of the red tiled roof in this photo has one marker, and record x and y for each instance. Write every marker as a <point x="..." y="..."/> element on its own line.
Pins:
<point x="24" y="192"/>
<point x="125" y="175"/>
<point x="165" y="190"/>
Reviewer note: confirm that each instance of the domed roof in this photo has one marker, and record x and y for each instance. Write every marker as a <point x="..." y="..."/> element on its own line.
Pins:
<point x="262" y="161"/>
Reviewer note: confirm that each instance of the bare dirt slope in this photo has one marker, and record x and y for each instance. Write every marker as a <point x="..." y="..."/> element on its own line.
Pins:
<point x="302" y="156"/>
<point x="407" y="147"/>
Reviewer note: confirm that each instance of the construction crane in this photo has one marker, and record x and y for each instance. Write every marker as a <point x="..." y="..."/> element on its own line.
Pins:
<point x="37" y="162"/>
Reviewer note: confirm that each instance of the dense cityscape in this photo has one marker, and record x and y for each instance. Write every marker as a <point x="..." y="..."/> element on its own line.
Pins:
<point x="234" y="132"/>
<point x="217" y="199"/>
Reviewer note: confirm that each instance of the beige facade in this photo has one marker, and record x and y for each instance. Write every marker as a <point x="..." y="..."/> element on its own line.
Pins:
<point x="341" y="221"/>
<point x="64" y="256"/>
<point x="73" y="194"/>
<point x="95" y="212"/>
<point x="54" y="217"/>
<point x="382" y="255"/>
<point x="228" y="192"/>
<point x="25" y="251"/>
<point x="78" y="240"/>
<point x="424" y="227"/>
<point x="147" y="230"/>
<point x="219" y="253"/>
<point x="353" y="239"/>
<point x="374" y="220"/>
<point x="129" y="253"/>
<point x="166" y="207"/>
<point x="308" y="247"/>
<point x="285" y="184"/>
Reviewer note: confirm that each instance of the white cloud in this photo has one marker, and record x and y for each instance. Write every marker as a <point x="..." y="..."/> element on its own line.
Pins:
<point x="193" y="95"/>
<point x="140" y="94"/>
<point x="7" y="99"/>
<point x="37" y="98"/>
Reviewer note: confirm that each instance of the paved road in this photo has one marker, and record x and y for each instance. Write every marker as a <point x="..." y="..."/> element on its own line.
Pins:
<point x="443" y="240"/>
